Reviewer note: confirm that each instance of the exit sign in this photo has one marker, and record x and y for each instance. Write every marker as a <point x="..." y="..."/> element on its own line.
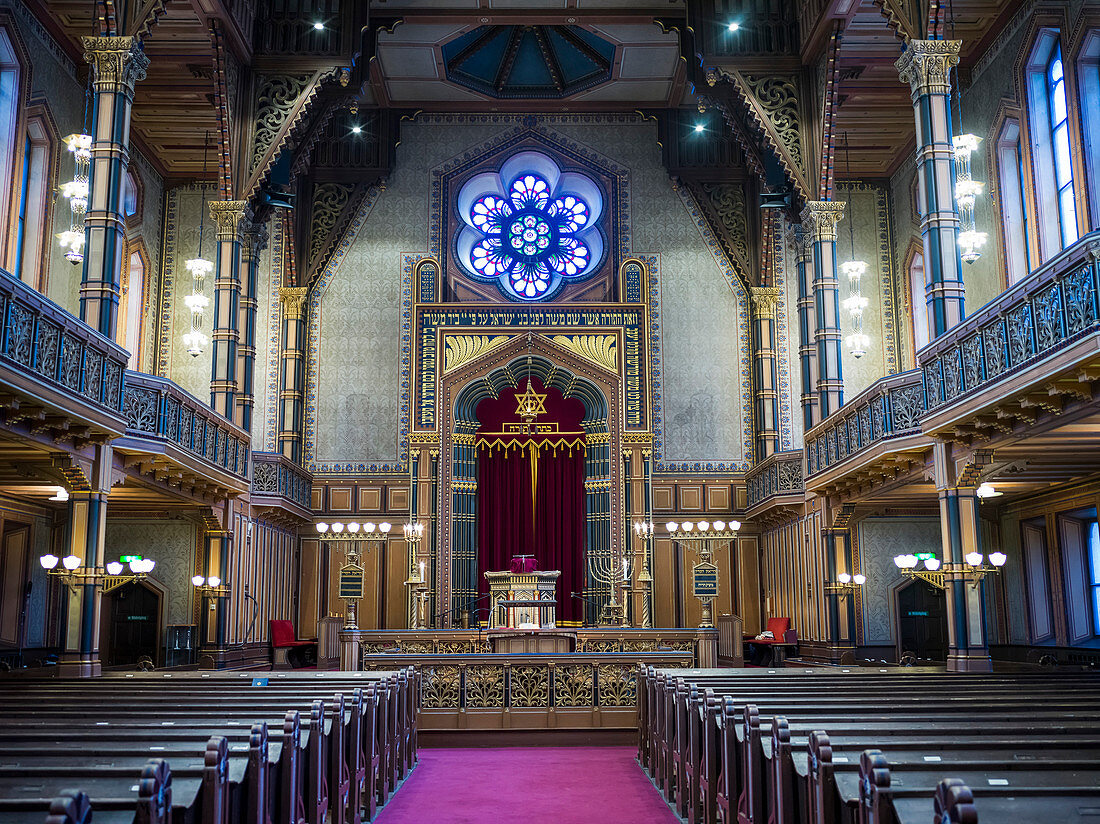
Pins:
<point x="125" y="559"/>
<point x="924" y="556"/>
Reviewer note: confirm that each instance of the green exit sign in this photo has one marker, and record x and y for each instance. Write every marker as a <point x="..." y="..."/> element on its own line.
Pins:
<point x="125" y="559"/>
<point x="924" y="556"/>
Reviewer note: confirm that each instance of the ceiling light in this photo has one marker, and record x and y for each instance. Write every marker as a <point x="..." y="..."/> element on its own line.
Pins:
<point x="356" y="129"/>
<point x="699" y="127"/>
<point x="61" y="494"/>
<point x="318" y="26"/>
<point x="734" y="26"/>
<point x="987" y="490"/>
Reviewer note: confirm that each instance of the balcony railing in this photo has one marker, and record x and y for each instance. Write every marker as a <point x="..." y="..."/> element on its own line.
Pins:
<point x="889" y="408"/>
<point x="777" y="475"/>
<point x="1048" y="311"/>
<point x="275" y="476"/>
<point x="157" y="408"/>
<point x="51" y="347"/>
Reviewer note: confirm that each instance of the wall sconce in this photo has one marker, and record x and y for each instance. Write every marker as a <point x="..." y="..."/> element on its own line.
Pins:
<point x="73" y="574"/>
<point x="846" y="584"/>
<point x="973" y="570"/>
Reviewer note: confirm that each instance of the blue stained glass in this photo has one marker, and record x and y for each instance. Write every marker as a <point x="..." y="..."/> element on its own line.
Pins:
<point x="534" y="237"/>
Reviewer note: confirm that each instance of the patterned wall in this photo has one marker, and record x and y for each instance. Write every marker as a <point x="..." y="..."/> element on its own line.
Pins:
<point x="358" y="366"/>
<point x="171" y="544"/>
<point x="880" y="539"/>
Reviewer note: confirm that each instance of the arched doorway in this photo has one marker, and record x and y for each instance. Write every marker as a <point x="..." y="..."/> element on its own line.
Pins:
<point x="502" y="370"/>
<point x="922" y="621"/>
<point x="132" y="616"/>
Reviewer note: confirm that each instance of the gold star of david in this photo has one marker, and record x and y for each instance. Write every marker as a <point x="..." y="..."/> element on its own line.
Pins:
<point x="531" y="404"/>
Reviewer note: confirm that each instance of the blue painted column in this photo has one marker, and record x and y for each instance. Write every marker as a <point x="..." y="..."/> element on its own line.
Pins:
<point x="764" y="301"/>
<point x="807" y="346"/>
<point x="292" y="371"/>
<point x="117" y="64"/>
<point x="967" y="645"/>
<point x="228" y="215"/>
<point x="253" y="241"/>
<point x="820" y="218"/>
<point x="926" y="65"/>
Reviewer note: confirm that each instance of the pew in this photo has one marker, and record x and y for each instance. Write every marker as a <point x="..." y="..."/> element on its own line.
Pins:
<point x="292" y="766"/>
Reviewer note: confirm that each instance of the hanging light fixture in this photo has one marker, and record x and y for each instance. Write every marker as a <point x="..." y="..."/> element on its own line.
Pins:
<point x="198" y="267"/>
<point x="76" y="192"/>
<point x="967" y="189"/>
<point x="855" y="303"/>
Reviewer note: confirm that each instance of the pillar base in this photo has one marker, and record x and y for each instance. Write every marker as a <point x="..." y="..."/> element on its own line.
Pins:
<point x="706" y="647"/>
<point x="76" y="667"/>
<point x="349" y="654"/>
<point x="213" y="658"/>
<point x="963" y="662"/>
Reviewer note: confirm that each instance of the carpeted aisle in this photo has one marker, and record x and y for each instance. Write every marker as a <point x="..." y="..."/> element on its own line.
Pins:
<point x="543" y="785"/>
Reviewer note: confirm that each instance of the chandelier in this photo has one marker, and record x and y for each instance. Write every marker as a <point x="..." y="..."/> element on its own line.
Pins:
<point x="967" y="190"/>
<point x="855" y="303"/>
<point x="76" y="192"/>
<point x="198" y="267"/>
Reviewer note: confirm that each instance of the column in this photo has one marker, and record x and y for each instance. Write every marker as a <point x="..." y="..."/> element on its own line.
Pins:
<point x="807" y="346"/>
<point x="765" y="299"/>
<point x="820" y="217"/>
<point x="212" y="622"/>
<point x="840" y="606"/>
<point x="967" y="647"/>
<point x="85" y="539"/>
<point x="292" y="374"/>
<point x="228" y="216"/>
<point x="926" y="65"/>
<point x="253" y="241"/>
<point x="117" y="64"/>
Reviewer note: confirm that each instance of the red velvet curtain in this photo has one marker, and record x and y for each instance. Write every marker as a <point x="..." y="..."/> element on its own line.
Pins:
<point x="549" y="524"/>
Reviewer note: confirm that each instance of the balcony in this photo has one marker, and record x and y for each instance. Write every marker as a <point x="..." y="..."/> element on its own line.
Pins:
<point x="775" y="482"/>
<point x="883" y="419"/>
<point x="58" y="376"/>
<point x="281" y="489"/>
<point x="175" y="438"/>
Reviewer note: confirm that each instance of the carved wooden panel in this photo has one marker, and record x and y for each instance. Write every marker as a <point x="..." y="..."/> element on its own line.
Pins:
<point x="399" y="499"/>
<point x="339" y="498"/>
<point x="662" y="498"/>
<point x="370" y="499"/>
<point x="691" y="498"/>
<point x="718" y="498"/>
<point x="317" y="498"/>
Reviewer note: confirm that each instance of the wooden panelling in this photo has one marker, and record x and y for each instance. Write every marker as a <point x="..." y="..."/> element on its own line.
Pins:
<point x="718" y="498"/>
<point x="691" y="498"/>
<point x="748" y="577"/>
<point x="308" y="589"/>
<point x="397" y="569"/>
<point x="662" y="498"/>
<point x="664" y="583"/>
<point x="741" y="495"/>
<point x="398" y="498"/>
<point x="317" y="498"/>
<point x="370" y="499"/>
<point x="339" y="498"/>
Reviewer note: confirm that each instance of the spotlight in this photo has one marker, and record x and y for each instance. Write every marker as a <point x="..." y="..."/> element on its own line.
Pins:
<point x="356" y="129"/>
<point x="734" y="26"/>
<point x="699" y="127"/>
<point x="318" y="26"/>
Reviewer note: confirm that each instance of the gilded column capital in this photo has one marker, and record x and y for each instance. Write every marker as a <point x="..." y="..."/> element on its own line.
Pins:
<point x="764" y="300"/>
<point x="820" y="218"/>
<point x="803" y="240"/>
<point x="254" y="238"/>
<point x="926" y="65"/>
<point x="117" y="62"/>
<point x="228" y="215"/>
<point x="293" y="299"/>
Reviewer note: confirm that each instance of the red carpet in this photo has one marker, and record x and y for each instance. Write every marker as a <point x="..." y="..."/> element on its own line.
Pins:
<point x="544" y="785"/>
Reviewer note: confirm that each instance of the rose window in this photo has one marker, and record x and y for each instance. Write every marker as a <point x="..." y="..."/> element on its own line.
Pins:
<point x="530" y="227"/>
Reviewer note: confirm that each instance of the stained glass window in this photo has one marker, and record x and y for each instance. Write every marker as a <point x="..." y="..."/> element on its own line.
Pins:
<point x="530" y="227"/>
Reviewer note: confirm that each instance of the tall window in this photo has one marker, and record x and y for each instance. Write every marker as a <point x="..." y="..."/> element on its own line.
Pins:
<point x="918" y="301"/>
<point x="1080" y="545"/>
<point x="1088" y="90"/>
<point x="133" y="307"/>
<point x="9" y="120"/>
<point x="1059" y="130"/>
<point x="1094" y="573"/>
<point x="31" y="242"/>
<point x="1014" y="216"/>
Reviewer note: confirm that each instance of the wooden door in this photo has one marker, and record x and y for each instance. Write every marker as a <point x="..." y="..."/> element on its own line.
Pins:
<point x="13" y="583"/>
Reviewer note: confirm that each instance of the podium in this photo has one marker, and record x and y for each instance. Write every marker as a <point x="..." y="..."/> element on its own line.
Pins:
<point x="522" y="599"/>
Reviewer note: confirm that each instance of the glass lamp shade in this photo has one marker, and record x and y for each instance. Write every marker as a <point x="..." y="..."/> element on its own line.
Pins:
<point x="720" y="526"/>
<point x="998" y="559"/>
<point x="687" y="526"/>
<point x="136" y="566"/>
<point x="199" y="268"/>
<point x="62" y="494"/>
<point x="70" y="562"/>
<point x="965" y="145"/>
<point x="81" y="146"/>
<point x="857" y="344"/>
<point x="196" y="303"/>
<point x="734" y="525"/>
<point x="114" y="568"/>
<point x="337" y="527"/>
<point x="384" y="527"/>
<point x="931" y="564"/>
<point x="72" y="241"/>
<point x="844" y="578"/>
<point x="49" y="561"/>
<point x="195" y="341"/>
<point x="854" y="269"/>
<point x="76" y="191"/>
<point x="198" y="580"/>
<point x="353" y="527"/>
<point x="703" y="526"/>
<point x="974" y="558"/>
<point x="969" y="244"/>
<point x="322" y="526"/>
<point x="368" y="527"/>
<point x="214" y="581"/>
<point x="855" y="304"/>
<point x="859" y="579"/>
<point x="672" y="526"/>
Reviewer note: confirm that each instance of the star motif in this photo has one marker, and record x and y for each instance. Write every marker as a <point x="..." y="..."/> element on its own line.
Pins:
<point x="531" y="404"/>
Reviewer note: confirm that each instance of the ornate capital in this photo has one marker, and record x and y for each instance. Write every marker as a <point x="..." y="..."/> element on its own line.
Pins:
<point x="293" y="299"/>
<point x="926" y="65"/>
<point x="228" y="215"/>
<point x="764" y="300"/>
<point x="820" y="218"/>
<point x="803" y="239"/>
<point x="254" y="238"/>
<point x="117" y="62"/>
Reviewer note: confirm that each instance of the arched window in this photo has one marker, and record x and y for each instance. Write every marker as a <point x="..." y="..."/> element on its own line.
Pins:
<point x="917" y="301"/>
<point x="1049" y="126"/>
<point x="1014" y="210"/>
<point x="1088" y="82"/>
<point x="33" y="207"/>
<point x="131" y="198"/>
<point x="132" y="318"/>
<point x="10" y="77"/>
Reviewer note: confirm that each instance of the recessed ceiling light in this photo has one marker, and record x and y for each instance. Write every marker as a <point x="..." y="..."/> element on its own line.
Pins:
<point x="318" y="26"/>
<point x="699" y="127"/>
<point x="734" y="26"/>
<point x="356" y="129"/>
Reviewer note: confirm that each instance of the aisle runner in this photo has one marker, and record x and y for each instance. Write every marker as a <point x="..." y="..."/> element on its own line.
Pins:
<point x="544" y="785"/>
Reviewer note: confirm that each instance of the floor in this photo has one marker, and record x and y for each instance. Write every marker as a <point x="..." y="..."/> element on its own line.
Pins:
<point x="543" y="785"/>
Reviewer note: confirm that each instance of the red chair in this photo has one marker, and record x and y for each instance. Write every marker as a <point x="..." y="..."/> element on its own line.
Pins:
<point x="783" y="638"/>
<point x="287" y="651"/>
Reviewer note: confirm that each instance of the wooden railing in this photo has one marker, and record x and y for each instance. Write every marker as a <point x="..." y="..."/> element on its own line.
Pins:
<point x="275" y="476"/>
<point x="1051" y="309"/>
<point x="778" y="474"/>
<point x="889" y="408"/>
<point x="48" y="345"/>
<point x="157" y="408"/>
